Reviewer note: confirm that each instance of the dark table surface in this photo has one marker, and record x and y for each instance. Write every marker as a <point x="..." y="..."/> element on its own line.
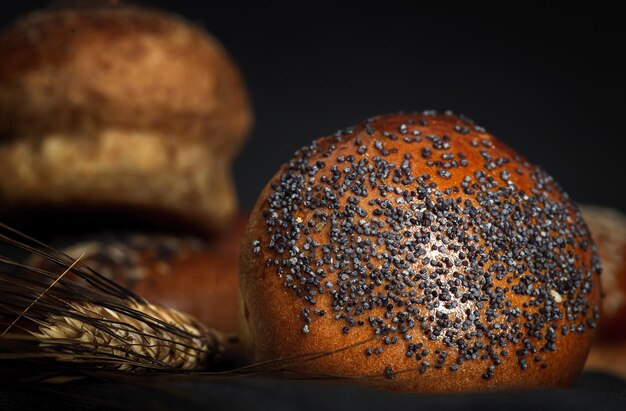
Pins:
<point x="592" y="391"/>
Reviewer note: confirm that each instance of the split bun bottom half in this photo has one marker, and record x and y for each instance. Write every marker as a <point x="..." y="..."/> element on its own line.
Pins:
<point x="418" y="252"/>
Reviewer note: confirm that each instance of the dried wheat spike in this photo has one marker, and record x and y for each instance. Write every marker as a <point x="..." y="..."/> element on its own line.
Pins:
<point x="128" y="341"/>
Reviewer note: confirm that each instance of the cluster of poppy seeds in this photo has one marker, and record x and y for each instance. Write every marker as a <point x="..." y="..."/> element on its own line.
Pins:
<point x="441" y="262"/>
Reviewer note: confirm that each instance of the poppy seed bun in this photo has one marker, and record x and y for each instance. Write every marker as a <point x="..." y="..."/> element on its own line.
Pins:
<point x="423" y="254"/>
<point x="119" y="107"/>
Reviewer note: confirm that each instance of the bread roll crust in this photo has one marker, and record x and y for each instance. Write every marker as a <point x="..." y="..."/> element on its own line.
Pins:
<point x="480" y="276"/>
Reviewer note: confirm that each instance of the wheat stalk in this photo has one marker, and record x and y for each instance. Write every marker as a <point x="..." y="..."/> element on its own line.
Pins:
<point x="145" y="336"/>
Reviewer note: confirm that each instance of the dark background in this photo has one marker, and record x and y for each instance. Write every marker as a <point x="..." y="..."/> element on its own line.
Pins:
<point x="546" y="79"/>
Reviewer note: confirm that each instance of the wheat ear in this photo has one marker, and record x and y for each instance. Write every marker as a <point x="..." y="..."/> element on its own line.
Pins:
<point x="139" y="337"/>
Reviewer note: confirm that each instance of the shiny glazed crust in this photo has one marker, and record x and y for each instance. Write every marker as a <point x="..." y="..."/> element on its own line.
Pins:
<point x="421" y="254"/>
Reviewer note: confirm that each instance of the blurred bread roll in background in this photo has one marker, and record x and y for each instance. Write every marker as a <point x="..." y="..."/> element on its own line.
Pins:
<point x="608" y="228"/>
<point x="192" y="275"/>
<point x="121" y="107"/>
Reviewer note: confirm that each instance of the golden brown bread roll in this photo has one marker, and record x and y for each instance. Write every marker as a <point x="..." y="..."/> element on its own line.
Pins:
<point x="198" y="277"/>
<point x="119" y="107"/>
<point x="608" y="228"/>
<point x="423" y="254"/>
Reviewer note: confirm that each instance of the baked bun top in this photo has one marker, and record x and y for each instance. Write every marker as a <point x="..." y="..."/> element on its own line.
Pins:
<point x="119" y="67"/>
<point x="420" y="248"/>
